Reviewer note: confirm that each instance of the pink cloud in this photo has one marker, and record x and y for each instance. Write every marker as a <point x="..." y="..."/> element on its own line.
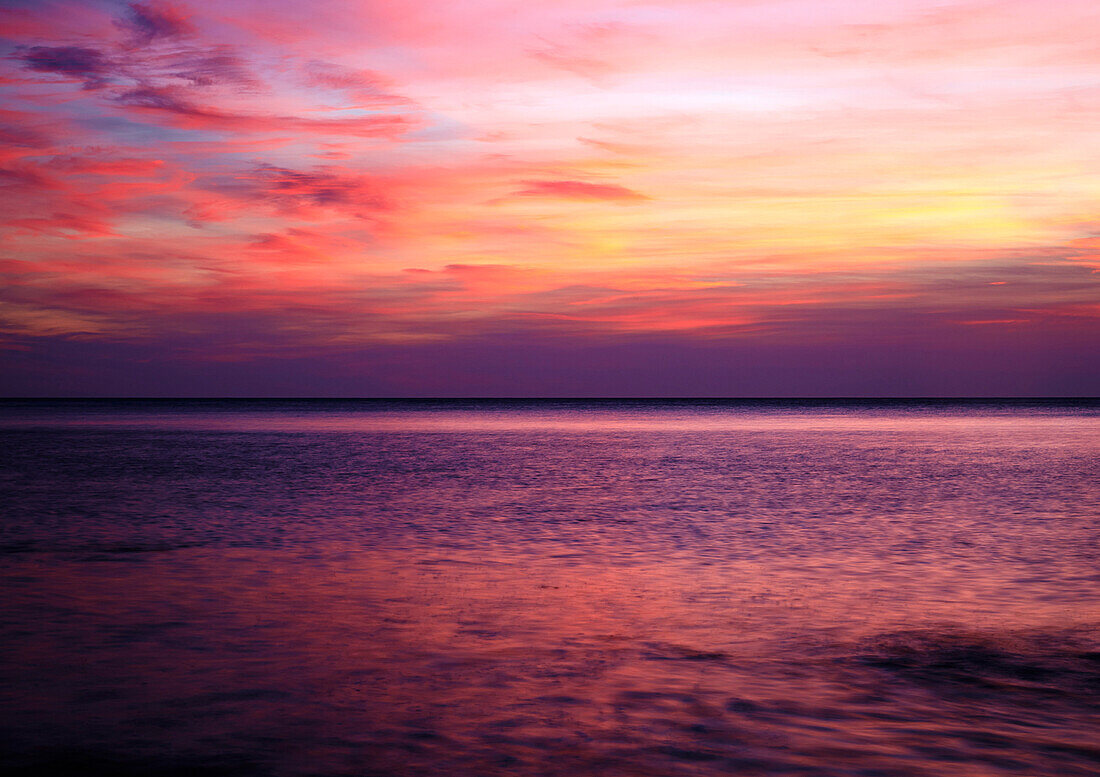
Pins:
<point x="580" y="190"/>
<point x="800" y="170"/>
<point x="150" y="21"/>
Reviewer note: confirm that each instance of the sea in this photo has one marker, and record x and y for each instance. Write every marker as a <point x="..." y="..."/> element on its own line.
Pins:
<point x="461" y="588"/>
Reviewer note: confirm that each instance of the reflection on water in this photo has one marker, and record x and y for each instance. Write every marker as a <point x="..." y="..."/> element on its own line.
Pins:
<point x="557" y="589"/>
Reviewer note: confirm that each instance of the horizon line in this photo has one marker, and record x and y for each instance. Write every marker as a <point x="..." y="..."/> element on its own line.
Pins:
<point x="206" y="398"/>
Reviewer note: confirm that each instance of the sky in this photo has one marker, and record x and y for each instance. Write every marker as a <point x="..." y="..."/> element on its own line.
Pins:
<point x="561" y="198"/>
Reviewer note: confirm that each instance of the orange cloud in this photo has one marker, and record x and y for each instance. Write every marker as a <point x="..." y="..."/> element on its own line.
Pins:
<point x="795" y="172"/>
<point x="579" y="190"/>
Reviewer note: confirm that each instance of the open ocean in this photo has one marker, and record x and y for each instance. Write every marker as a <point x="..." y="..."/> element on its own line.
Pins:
<point x="481" y="588"/>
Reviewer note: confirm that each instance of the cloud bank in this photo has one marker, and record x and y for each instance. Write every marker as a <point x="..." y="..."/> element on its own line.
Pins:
<point x="434" y="192"/>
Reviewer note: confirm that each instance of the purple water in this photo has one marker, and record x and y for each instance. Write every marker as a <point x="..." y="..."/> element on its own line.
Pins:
<point x="550" y="588"/>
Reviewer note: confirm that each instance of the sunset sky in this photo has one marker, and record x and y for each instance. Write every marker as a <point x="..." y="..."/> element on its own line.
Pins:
<point x="494" y="198"/>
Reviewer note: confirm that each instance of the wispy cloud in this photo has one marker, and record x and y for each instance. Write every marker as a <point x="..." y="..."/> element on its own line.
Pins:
<point x="147" y="22"/>
<point x="579" y="190"/>
<point x="340" y="175"/>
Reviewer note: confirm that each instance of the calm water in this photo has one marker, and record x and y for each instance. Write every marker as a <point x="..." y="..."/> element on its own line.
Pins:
<point x="569" y="588"/>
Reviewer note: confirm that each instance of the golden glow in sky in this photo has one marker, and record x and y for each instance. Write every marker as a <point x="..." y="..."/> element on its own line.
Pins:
<point x="241" y="180"/>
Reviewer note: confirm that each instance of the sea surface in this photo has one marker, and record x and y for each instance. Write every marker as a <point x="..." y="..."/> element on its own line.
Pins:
<point x="461" y="588"/>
